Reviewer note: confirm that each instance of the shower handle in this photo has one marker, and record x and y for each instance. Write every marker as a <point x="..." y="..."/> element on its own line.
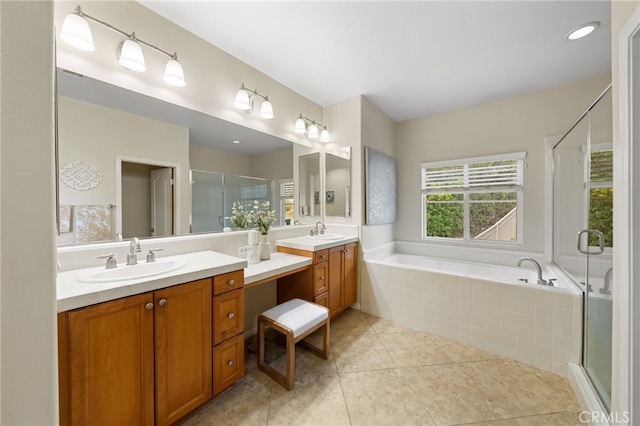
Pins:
<point x="589" y="232"/>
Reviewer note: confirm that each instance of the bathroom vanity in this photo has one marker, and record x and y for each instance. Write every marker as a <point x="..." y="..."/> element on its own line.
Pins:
<point x="331" y="281"/>
<point x="155" y="355"/>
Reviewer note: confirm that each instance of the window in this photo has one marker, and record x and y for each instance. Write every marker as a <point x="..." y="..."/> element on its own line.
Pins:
<point x="286" y="201"/>
<point x="473" y="199"/>
<point x="599" y="190"/>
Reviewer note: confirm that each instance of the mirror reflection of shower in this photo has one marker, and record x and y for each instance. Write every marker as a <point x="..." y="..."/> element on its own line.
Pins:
<point x="583" y="230"/>
<point x="213" y="194"/>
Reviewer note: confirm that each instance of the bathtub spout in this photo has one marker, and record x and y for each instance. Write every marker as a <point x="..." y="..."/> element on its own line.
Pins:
<point x="607" y="282"/>
<point x="532" y="260"/>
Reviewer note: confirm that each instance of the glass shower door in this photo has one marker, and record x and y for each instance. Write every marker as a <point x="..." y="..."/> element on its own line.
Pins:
<point x="598" y="184"/>
<point x="207" y="208"/>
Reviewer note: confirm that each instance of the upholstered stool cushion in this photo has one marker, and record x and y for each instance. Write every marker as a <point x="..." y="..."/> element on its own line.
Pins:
<point x="297" y="315"/>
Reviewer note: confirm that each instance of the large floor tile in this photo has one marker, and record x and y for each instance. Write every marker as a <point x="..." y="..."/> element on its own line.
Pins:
<point x="382" y="398"/>
<point x="319" y="403"/>
<point x="381" y="325"/>
<point x="513" y="389"/>
<point x="564" y="419"/>
<point x="308" y="366"/>
<point x="449" y="395"/>
<point x="413" y="349"/>
<point x="360" y="353"/>
<point x="350" y="322"/>
<point x="459" y="352"/>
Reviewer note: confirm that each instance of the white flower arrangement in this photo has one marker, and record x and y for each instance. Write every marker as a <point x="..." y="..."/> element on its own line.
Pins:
<point x="263" y="216"/>
<point x="240" y="217"/>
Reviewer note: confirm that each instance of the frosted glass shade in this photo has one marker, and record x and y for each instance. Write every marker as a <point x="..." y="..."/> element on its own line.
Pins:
<point x="300" y="127"/>
<point x="76" y="32"/>
<point x="324" y="136"/>
<point x="242" y="100"/>
<point x="266" y="111"/>
<point x="130" y="56"/>
<point x="173" y="74"/>
<point x="312" y="131"/>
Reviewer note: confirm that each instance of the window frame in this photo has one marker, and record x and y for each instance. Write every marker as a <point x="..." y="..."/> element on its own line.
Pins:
<point x="466" y="191"/>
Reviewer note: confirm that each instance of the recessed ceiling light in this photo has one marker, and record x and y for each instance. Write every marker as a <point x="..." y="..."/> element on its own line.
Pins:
<point x="236" y="142"/>
<point x="582" y="31"/>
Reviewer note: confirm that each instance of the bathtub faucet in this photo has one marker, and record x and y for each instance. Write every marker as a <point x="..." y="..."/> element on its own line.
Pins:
<point x="607" y="282"/>
<point x="532" y="260"/>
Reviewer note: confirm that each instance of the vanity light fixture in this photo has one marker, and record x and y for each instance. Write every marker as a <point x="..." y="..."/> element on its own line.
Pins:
<point x="244" y="101"/>
<point x="76" y="32"/>
<point x="311" y="131"/>
<point x="582" y="31"/>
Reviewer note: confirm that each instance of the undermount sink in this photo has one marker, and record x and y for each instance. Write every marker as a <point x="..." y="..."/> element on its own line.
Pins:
<point x="131" y="272"/>
<point x="326" y="237"/>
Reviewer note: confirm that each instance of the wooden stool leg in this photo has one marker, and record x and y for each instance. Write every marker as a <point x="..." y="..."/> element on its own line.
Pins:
<point x="260" y="342"/>
<point x="325" y="341"/>
<point x="291" y="361"/>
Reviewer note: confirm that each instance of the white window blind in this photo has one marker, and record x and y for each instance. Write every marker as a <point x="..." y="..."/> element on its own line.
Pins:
<point x="286" y="188"/>
<point x="503" y="171"/>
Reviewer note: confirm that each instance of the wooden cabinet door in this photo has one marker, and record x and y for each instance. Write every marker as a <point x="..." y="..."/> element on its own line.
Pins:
<point x="228" y="315"/>
<point x="110" y="349"/>
<point x="336" y="286"/>
<point x="322" y="299"/>
<point x="228" y="360"/>
<point x="350" y="273"/>
<point x="183" y="349"/>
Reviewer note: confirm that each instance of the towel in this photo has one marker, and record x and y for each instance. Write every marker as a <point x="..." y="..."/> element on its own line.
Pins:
<point x="93" y="223"/>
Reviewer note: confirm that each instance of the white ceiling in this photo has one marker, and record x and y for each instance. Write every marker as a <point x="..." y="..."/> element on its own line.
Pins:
<point x="410" y="58"/>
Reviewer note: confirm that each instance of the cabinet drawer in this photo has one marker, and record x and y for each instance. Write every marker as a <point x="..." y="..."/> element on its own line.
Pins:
<point x="322" y="299"/>
<point x="320" y="278"/>
<point x="228" y="315"/>
<point x="227" y="282"/>
<point x="228" y="363"/>
<point x="320" y="256"/>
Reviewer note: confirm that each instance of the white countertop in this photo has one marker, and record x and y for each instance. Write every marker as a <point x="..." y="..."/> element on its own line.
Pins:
<point x="73" y="294"/>
<point x="309" y="244"/>
<point x="279" y="263"/>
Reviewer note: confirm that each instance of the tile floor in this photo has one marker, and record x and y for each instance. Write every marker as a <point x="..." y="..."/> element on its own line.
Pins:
<point x="382" y="373"/>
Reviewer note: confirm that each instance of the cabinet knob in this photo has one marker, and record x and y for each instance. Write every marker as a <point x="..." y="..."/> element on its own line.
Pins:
<point x="324" y="256"/>
<point x="162" y="302"/>
<point x="232" y="282"/>
<point x="321" y="278"/>
<point x="230" y="363"/>
<point x="230" y="316"/>
<point x="148" y="306"/>
<point x="346" y="250"/>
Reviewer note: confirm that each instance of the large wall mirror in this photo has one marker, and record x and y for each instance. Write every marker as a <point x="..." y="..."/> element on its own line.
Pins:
<point x="338" y="183"/>
<point x="309" y="186"/>
<point x="132" y="165"/>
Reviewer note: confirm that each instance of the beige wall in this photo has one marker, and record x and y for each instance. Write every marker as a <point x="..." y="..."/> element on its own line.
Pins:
<point x="98" y="135"/>
<point x="378" y="132"/>
<point x="28" y="371"/>
<point x="213" y="160"/>
<point x="508" y="125"/>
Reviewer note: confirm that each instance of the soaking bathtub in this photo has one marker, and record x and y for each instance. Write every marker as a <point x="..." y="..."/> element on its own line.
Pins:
<point x="488" y="306"/>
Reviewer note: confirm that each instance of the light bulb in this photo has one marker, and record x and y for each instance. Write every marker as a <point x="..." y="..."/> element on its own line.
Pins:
<point x="312" y="131"/>
<point x="266" y="111"/>
<point x="75" y="32"/>
<point x="324" y="136"/>
<point x="173" y="73"/>
<point x="242" y="100"/>
<point x="130" y="56"/>
<point x="583" y="30"/>
<point x="300" y="126"/>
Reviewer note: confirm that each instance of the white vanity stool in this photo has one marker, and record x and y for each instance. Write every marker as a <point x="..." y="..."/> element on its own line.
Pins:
<point x="296" y="319"/>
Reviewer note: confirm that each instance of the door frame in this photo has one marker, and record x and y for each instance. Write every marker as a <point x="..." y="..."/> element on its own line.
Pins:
<point x="626" y="299"/>
<point x="176" y="187"/>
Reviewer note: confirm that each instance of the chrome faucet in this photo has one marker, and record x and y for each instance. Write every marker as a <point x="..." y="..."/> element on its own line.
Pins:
<point x="134" y="247"/>
<point x="607" y="282"/>
<point x="321" y="231"/>
<point x="532" y="260"/>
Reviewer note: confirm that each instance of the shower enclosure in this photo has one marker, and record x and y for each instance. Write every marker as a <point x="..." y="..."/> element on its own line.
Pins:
<point x="213" y="194"/>
<point x="583" y="231"/>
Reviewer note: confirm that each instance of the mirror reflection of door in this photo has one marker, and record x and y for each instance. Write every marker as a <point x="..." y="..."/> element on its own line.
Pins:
<point x="147" y="200"/>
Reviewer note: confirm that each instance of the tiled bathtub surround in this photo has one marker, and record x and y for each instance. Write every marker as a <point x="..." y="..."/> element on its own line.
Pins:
<point x="533" y="324"/>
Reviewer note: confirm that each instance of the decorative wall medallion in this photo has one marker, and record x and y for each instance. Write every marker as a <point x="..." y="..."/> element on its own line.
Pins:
<point x="80" y="175"/>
